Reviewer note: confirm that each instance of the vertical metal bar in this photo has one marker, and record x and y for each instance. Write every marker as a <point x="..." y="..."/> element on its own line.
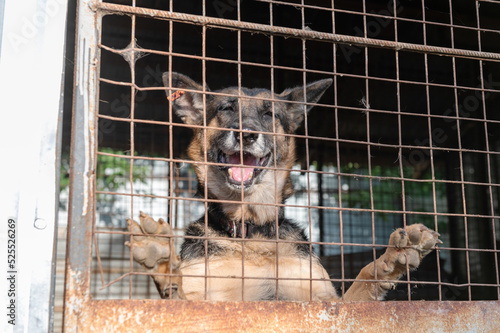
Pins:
<point x="488" y="157"/>
<point x="178" y="193"/>
<point x="400" y="142"/>
<point x="271" y="62"/>
<point x="98" y="255"/>
<point x="170" y="141"/>
<point x="240" y="134"/>
<point x="429" y="126"/>
<point x="368" y="147"/>
<point x="460" y="154"/>
<point x="83" y="146"/>
<point x="94" y="138"/>
<point x="205" y="141"/>
<point x="321" y="203"/>
<point x="339" y="168"/>
<point x="308" y="161"/>
<point x="132" y="59"/>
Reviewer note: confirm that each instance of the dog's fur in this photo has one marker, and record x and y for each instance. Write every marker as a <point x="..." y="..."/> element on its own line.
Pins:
<point x="244" y="248"/>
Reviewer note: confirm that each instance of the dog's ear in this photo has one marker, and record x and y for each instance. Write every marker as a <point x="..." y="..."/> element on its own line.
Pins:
<point x="188" y="105"/>
<point x="313" y="92"/>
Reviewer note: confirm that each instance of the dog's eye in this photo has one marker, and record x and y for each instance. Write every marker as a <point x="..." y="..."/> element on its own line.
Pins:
<point x="269" y="114"/>
<point x="226" y="107"/>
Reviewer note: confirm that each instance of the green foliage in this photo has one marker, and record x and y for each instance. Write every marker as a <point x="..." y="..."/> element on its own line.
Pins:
<point x="113" y="172"/>
<point x="387" y="189"/>
<point x="64" y="173"/>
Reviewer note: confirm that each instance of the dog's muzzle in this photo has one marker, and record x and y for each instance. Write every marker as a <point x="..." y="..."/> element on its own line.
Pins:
<point x="243" y="167"/>
<point x="243" y="154"/>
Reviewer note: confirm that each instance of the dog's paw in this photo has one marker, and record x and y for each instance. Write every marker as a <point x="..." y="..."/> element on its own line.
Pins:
<point x="152" y="248"/>
<point x="148" y="246"/>
<point x="407" y="246"/>
<point x="411" y="245"/>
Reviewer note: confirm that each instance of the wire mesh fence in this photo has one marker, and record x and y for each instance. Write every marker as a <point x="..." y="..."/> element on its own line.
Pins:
<point x="408" y="133"/>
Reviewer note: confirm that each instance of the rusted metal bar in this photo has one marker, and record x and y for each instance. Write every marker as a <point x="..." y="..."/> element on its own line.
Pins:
<point x="326" y="243"/>
<point x="378" y="144"/>
<point x="182" y="316"/>
<point x="290" y="32"/>
<point x="124" y="52"/>
<point x="488" y="159"/>
<point x="82" y="177"/>
<point x="345" y="209"/>
<point x="180" y="160"/>
<point x="383" y="16"/>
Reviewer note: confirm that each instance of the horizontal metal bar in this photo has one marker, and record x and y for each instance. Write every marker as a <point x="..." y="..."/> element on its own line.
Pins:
<point x="342" y="209"/>
<point x="291" y="32"/>
<point x="281" y="241"/>
<point x="343" y="174"/>
<point x="366" y="245"/>
<point x="126" y="274"/>
<point x="381" y="15"/>
<point x="287" y="68"/>
<point x="310" y="137"/>
<point x="182" y="316"/>
<point x="301" y="70"/>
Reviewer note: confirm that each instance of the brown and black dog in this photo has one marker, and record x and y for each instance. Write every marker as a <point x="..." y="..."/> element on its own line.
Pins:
<point x="243" y="248"/>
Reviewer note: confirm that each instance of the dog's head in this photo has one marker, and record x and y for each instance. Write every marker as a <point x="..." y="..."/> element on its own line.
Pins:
<point x="243" y="137"/>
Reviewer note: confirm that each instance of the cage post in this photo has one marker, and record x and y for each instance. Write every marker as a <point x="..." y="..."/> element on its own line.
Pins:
<point x="81" y="211"/>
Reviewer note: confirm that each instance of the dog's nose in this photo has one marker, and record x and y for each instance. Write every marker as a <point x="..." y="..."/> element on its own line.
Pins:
<point x="248" y="137"/>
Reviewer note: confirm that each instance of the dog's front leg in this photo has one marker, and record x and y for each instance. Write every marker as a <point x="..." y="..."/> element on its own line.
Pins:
<point x="153" y="249"/>
<point x="407" y="246"/>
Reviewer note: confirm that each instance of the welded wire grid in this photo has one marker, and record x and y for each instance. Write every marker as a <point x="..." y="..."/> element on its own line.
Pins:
<point x="409" y="133"/>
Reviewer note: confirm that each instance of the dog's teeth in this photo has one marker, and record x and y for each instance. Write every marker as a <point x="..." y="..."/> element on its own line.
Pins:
<point x="251" y="175"/>
<point x="230" y="172"/>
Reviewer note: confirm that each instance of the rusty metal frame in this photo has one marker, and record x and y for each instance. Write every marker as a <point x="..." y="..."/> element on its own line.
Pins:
<point x="84" y="314"/>
<point x="306" y="34"/>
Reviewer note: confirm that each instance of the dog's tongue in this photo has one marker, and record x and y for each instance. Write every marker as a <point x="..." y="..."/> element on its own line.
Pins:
<point x="242" y="174"/>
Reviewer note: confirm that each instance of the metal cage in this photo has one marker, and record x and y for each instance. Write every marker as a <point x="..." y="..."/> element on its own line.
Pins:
<point x="410" y="132"/>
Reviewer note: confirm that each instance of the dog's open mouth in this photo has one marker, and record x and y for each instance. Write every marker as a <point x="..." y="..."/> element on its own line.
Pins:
<point x="247" y="170"/>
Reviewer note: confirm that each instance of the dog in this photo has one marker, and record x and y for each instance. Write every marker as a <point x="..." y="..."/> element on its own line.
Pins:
<point x="243" y="248"/>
